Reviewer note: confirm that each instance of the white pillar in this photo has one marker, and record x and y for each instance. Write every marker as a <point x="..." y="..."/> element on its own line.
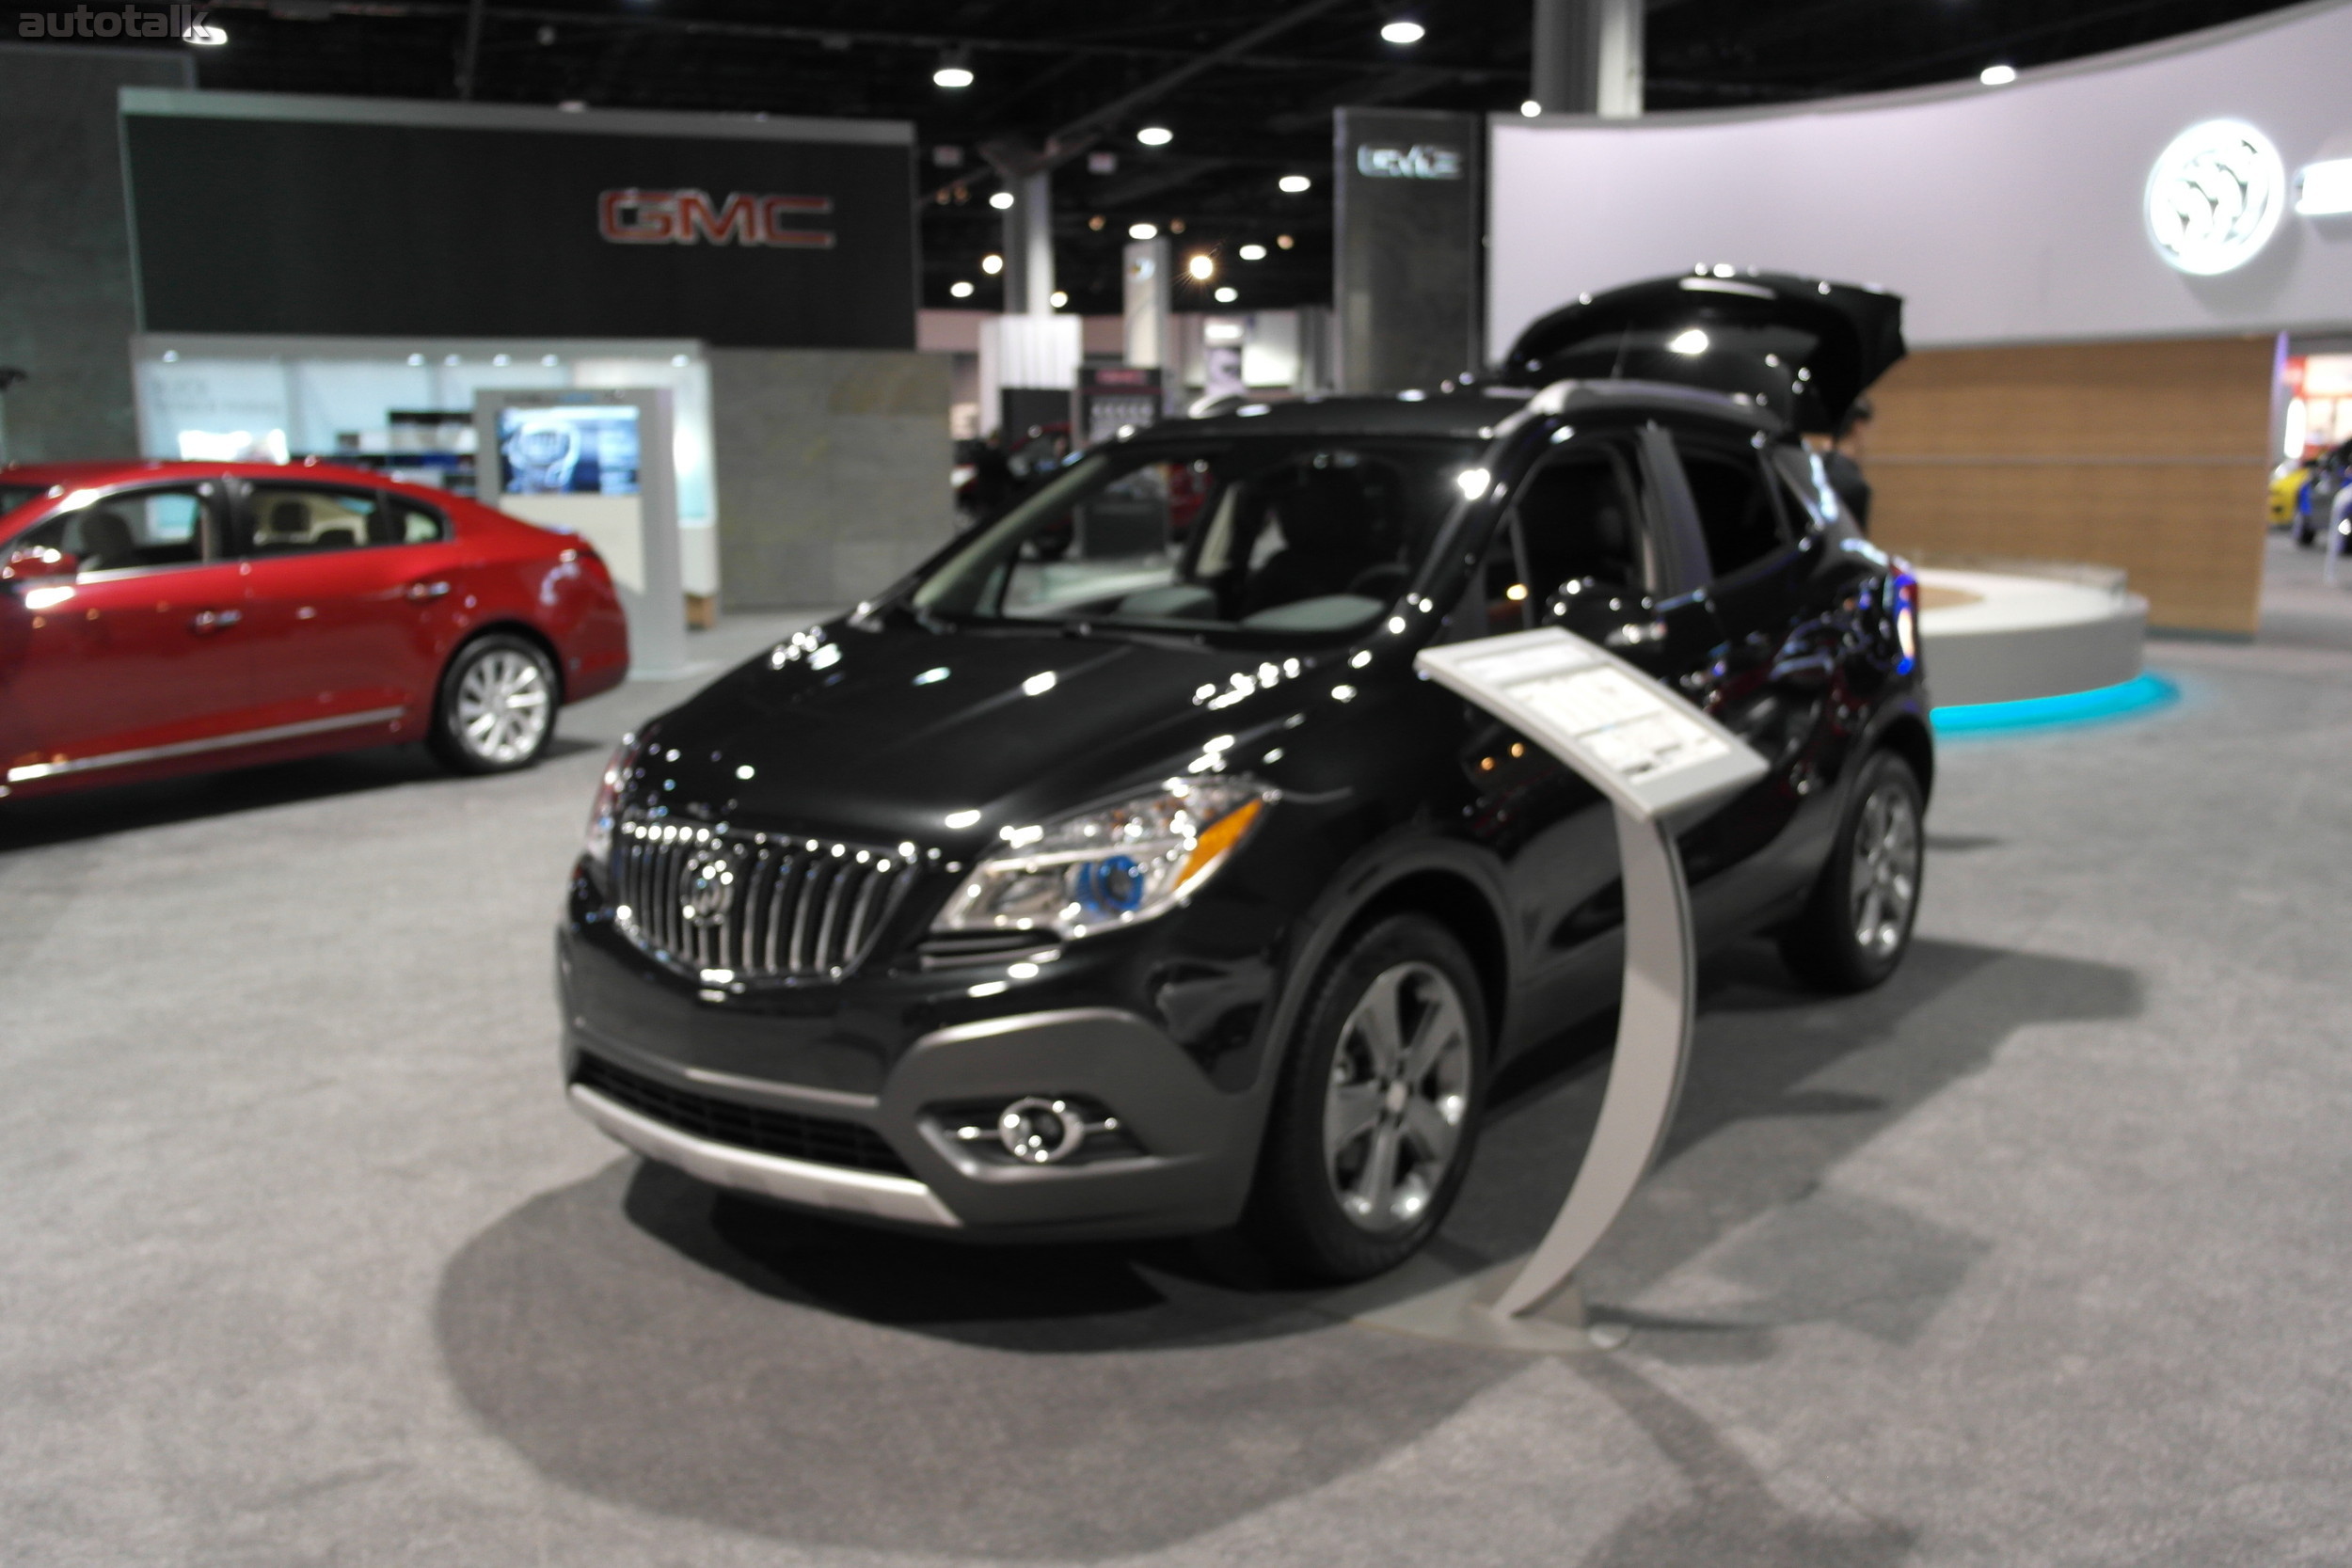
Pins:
<point x="1029" y="246"/>
<point x="1146" y="285"/>
<point x="1588" y="57"/>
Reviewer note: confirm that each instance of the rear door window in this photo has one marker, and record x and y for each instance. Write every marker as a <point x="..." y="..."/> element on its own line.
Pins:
<point x="287" y="519"/>
<point x="1737" y="513"/>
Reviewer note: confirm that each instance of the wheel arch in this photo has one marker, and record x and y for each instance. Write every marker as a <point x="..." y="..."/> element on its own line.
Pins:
<point x="1907" y="735"/>
<point x="512" y="628"/>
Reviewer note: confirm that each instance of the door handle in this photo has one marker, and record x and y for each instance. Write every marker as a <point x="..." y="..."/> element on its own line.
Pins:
<point x="423" y="591"/>
<point x="214" y="619"/>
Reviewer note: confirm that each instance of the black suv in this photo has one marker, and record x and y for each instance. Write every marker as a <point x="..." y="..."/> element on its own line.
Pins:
<point x="1147" y="888"/>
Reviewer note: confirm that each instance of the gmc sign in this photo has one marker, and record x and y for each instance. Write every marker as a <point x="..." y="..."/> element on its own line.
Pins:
<point x="691" y="218"/>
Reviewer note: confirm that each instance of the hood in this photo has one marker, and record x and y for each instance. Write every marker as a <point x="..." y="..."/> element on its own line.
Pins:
<point x="1759" y="331"/>
<point x="883" y="735"/>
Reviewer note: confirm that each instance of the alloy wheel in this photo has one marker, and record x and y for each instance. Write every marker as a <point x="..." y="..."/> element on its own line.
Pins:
<point x="503" y="706"/>
<point x="1399" y="1091"/>
<point x="1886" y="880"/>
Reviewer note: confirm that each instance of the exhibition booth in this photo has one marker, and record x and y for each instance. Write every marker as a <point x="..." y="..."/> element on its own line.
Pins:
<point x="2098" y="259"/>
<point x="425" y="261"/>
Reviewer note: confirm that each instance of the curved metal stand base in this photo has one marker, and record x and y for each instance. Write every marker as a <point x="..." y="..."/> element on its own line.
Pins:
<point x="1431" y="1300"/>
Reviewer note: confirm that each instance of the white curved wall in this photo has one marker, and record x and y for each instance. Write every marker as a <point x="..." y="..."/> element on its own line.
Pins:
<point x="2002" y="214"/>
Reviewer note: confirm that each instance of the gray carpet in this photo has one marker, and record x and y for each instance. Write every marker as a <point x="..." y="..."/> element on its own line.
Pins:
<point x="2037" y="1256"/>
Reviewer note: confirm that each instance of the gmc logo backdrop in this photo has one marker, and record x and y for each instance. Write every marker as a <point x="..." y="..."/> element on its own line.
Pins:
<point x="691" y="218"/>
<point x="432" y="229"/>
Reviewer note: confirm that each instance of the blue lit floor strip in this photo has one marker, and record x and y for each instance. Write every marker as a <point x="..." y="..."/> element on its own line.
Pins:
<point x="2143" y="694"/>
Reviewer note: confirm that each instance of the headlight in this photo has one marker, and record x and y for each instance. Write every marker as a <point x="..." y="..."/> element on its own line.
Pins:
<point x="607" y="809"/>
<point x="1109" y="867"/>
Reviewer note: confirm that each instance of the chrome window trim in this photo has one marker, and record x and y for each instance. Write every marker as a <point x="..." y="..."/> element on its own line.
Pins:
<point x="210" y="743"/>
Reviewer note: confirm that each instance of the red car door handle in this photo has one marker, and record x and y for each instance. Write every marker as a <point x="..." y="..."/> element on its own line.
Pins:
<point x="214" y="619"/>
<point x="421" y="591"/>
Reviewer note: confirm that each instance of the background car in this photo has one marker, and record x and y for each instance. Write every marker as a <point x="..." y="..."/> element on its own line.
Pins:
<point x="2290" y="498"/>
<point x="168" y="617"/>
<point x="1138" y="889"/>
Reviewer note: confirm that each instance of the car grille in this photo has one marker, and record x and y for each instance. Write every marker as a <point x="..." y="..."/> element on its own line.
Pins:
<point x="818" y="1140"/>
<point x="756" y="907"/>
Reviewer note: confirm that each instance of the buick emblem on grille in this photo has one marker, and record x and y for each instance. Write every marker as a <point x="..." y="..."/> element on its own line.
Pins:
<point x="707" y="889"/>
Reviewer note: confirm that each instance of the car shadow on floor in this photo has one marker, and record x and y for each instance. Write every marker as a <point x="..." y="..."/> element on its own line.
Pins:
<point x="648" y="1342"/>
<point x="28" y="823"/>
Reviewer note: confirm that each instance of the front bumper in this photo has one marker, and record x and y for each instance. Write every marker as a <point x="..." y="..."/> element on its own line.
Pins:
<point x="881" y="1069"/>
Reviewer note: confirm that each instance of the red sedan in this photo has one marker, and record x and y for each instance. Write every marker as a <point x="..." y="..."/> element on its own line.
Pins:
<point x="167" y="617"/>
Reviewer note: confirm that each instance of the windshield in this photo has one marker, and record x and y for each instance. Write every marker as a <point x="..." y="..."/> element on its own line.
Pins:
<point x="1262" y="535"/>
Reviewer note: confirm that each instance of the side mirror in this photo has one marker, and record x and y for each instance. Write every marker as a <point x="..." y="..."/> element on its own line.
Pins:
<point x="32" y="562"/>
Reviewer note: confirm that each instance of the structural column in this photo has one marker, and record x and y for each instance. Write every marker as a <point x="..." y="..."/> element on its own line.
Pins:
<point x="1029" y="246"/>
<point x="1588" y="57"/>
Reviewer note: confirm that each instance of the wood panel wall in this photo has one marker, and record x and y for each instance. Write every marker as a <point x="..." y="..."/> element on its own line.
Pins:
<point x="2150" y="456"/>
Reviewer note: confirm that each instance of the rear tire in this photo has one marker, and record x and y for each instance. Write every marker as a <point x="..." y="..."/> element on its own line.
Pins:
<point x="1856" y="926"/>
<point x="1376" y="1114"/>
<point x="496" y="710"/>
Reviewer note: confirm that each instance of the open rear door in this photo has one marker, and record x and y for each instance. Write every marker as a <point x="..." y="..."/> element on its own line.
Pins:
<point x="1803" y="347"/>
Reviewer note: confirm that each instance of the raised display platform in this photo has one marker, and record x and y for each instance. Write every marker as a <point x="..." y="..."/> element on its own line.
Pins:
<point x="2001" y="637"/>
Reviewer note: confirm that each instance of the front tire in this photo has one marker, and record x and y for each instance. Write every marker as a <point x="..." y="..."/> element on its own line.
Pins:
<point x="1856" y="926"/>
<point x="1376" y="1115"/>
<point x="496" y="708"/>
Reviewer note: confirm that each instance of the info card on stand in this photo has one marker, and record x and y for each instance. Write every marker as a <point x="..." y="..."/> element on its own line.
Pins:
<point x="1636" y="740"/>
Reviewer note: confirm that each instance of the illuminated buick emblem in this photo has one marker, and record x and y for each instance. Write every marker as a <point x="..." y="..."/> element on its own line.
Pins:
<point x="709" y="890"/>
<point x="2214" y="196"/>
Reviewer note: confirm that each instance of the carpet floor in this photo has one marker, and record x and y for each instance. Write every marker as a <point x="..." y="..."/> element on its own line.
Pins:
<point x="2039" y="1255"/>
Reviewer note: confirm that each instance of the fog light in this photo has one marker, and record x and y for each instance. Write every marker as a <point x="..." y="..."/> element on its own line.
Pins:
<point x="1040" y="1131"/>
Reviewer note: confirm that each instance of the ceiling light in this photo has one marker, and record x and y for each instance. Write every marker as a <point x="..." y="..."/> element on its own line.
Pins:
<point x="1283" y="241"/>
<point x="992" y="264"/>
<point x="1293" y="183"/>
<point x="1227" y="297"/>
<point x="1403" y="31"/>
<point x="1253" y="253"/>
<point x="960" y="288"/>
<point x="1156" y="135"/>
<point x="1143" y="232"/>
<point x="1002" y="200"/>
<point x="1095" y="223"/>
<point x="955" y="71"/>
<point x="1997" y="75"/>
<point x="1530" y="108"/>
<point x="1058" y="300"/>
<point x="414" y="359"/>
<point x="211" y="35"/>
<point x="1201" y="267"/>
<point x="1690" y="341"/>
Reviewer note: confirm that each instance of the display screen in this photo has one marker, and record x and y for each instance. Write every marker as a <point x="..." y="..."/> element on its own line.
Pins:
<point x="568" y="451"/>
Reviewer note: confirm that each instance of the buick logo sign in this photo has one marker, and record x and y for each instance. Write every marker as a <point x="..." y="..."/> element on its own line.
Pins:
<point x="2214" y="196"/>
<point x="709" y="890"/>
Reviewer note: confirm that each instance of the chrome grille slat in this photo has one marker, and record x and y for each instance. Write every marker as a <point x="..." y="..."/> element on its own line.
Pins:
<point x="792" y="915"/>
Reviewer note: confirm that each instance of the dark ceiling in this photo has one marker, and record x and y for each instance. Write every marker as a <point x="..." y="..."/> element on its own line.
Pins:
<point x="1043" y="66"/>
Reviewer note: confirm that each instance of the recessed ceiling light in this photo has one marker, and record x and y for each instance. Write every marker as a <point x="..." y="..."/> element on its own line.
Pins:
<point x="954" y="72"/>
<point x="1143" y="232"/>
<point x="960" y="288"/>
<point x="1295" y="183"/>
<point x="1227" y="297"/>
<point x="1156" y="135"/>
<point x="1997" y="75"/>
<point x="1530" y="108"/>
<point x="1201" y="267"/>
<point x="1001" y="200"/>
<point x="1058" y="300"/>
<point x="1253" y="253"/>
<point x="992" y="264"/>
<point x="1403" y="31"/>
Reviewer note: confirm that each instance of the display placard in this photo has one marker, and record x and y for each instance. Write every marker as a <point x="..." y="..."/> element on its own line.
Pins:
<point x="1641" y="745"/>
